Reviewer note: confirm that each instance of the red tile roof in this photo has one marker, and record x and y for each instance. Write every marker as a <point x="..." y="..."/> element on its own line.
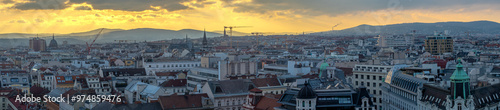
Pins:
<point x="267" y="103"/>
<point x="265" y="82"/>
<point x="174" y="83"/>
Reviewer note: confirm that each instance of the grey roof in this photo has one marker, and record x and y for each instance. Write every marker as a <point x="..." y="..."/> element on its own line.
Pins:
<point x="231" y="87"/>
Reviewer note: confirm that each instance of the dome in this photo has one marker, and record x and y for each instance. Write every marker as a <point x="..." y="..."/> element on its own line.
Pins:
<point x="306" y="92"/>
<point x="53" y="43"/>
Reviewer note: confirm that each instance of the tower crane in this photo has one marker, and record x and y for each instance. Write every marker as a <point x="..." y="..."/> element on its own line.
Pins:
<point x="231" y="33"/>
<point x="89" y="47"/>
<point x="257" y="34"/>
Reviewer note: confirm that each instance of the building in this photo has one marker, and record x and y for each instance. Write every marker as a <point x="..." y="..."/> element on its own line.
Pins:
<point x="400" y="90"/>
<point x="228" y="94"/>
<point x="37" y="44"/>
<point x="186" y="102"/>
<point x="307" y="98"/>
<point x="395" y="40"/>
<point x="459" y="95"/>
<point x="53" y="43"/>
<point x="168" y="65"/>
<point x="139" y="92"/>
<point x="199" y="76"/>
<point x="7" y="100"/>
<point x="16" y="79"/>
<point x="236" y="68"/>
<point x="269" y="85"/>
<point x="174" y="86"/>
<point x="438" y="44"/>
<point x="371" y="77"/>
<point x="258" y="100"/>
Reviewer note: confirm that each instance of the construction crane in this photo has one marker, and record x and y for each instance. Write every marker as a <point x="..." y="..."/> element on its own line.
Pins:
<point x="231" y="33"/>
<point x="257" y="34"/>
<point x="89" y="47"/>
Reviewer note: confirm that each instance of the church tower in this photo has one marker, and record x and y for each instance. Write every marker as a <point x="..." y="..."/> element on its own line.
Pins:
<point x="204" y="42"/>
<point x="306" y="98"/>
<point x="460" y="98"/>
<point x="460" y="83"/>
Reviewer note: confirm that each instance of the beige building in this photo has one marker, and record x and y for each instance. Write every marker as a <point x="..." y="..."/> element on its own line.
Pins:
<point x="370" y="76"/>
<point x="438" y="44"/>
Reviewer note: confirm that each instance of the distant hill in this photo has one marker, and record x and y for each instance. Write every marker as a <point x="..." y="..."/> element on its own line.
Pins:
<point x="108" y="35"/>
<point x="454" y="28"/>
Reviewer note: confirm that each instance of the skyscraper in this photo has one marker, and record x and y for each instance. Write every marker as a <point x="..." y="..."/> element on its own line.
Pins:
<point x="37" y="44"/>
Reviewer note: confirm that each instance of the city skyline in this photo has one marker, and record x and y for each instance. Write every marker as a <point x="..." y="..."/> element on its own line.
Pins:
<point x="69" y="16"/>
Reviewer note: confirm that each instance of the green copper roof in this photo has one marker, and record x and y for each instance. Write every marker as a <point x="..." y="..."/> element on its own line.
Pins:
<point x="459" y="73"/>
<point x="323" y="67"/>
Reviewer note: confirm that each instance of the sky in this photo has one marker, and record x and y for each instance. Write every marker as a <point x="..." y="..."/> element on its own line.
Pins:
<point x="293" y="16"/>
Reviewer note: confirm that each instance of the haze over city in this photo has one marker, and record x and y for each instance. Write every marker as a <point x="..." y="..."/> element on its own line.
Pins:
<point x="249" y="55"/>
<point x="292" y="16"/>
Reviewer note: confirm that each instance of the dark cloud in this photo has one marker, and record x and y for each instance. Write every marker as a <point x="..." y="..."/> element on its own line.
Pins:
<point x="83" y="8"/>
<point x="335" y="7"/>
<point x="134" y="5"/>
<point x="21" y="21"/>
<point x="97" y="15"/>
<point x="127" y="5"/>
<point x="42" y="4"/>
<point x="7" y="1"/>
<point x="38" y="20"/>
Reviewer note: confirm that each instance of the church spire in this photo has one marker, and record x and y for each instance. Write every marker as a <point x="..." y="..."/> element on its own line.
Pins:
<point x="204" y="42"/>
<point x="53" y="36"/>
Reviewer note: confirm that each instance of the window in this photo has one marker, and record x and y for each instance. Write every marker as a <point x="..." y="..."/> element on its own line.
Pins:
<point x="368" y="84"/>
<point x="303" y="103"/>
<point x="356" y="76"/>
<point x="219" y="103"/>
<point x="374" y="77"/>
<point x="356" y="83"/>
<point x="310" y="104"/>
<point x="367" y="76"/>
<point x="362" y="83"/>
<point x="374" y="85"/>
<point x="379" y="77"/>
<point x="362" y="76"/>
<point x="227" y="102"/>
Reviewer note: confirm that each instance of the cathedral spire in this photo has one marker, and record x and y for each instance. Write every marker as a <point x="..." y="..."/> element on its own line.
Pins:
<point x="204" y="42"/>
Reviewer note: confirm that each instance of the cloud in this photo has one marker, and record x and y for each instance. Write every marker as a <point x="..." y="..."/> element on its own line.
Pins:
<point x="7" y="1"/>
<point x="42" y="5"/>
<point x="83" y="8"/>
<point x="337" y="7"/>
<point x="126" y="5"/>
<point x="38" y="20"/>
<point x="21" y="21"/>
<point x="134" y="5"/>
